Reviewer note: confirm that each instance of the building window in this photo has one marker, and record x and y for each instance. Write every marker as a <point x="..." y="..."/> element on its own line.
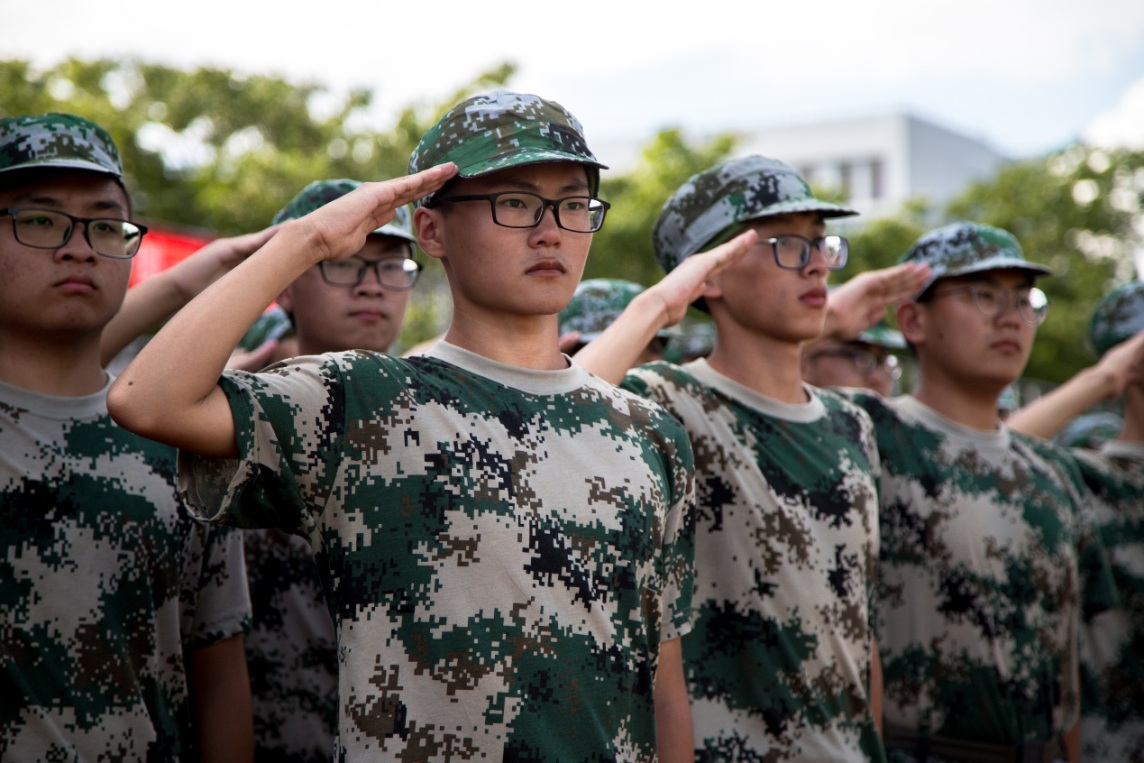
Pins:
<point x="877" y="189"/>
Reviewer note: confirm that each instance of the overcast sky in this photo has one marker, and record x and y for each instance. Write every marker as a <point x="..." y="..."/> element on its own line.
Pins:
<point x="1025" y="76"/>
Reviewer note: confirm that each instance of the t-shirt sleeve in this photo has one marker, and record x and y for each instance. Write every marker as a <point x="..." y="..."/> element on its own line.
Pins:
<point x="289" y="424"/>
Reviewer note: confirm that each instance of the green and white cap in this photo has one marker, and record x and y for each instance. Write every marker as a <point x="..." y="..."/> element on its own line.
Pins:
<point x="322" y="192"/>
<point x="962" y="248"/>
<point x="714" y="205"/>
<point x="1118" y="316"/>
<point x="596" y="304"/>
<point x="64" y="141"/>
<point x="498" y="130"/>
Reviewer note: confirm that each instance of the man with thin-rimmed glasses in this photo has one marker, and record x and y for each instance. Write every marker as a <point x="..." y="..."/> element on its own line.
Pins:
<point x="122" y="617"/>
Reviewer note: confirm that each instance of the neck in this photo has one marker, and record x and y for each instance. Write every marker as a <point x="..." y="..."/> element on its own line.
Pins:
<point x="525" y="341"/>
<point x="761" y="363"/>
<point x="51" y="365"/>
<point x="974" y="407"/>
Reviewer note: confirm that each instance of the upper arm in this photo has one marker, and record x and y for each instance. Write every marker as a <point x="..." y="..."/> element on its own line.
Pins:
<point x="207" y="427"/>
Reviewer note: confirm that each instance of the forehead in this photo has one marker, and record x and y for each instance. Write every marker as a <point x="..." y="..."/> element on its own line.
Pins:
<point x="572" y="176"/>
<point x="1006" y="277"/>
<point x="75" y="190"/>
<point x="382" y="245"/>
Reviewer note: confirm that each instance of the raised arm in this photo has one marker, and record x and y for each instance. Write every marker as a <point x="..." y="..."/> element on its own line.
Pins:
<point x="862" y="301"/>
<point x="158" y="298"/>
<point x="1106" y="380"/>
<point x="611" y="354"/>
<point x="170" y="391"/>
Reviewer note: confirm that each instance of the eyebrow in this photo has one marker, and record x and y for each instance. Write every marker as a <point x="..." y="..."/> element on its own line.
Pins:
<point x="525" y="185"/>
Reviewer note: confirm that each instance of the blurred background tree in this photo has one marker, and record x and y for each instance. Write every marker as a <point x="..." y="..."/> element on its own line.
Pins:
<point x="222" y="151"/>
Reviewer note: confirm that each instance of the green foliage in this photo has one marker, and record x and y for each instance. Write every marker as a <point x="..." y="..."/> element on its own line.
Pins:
<point x="223" y="151"/>
<point x="623" y="248"/>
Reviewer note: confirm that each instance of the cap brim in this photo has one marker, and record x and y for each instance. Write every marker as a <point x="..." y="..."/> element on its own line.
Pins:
<point x="991" y="263"/>
<point x="64" y="164"/>
<point x="803" y="205"/>
<point x="521" y="157"/>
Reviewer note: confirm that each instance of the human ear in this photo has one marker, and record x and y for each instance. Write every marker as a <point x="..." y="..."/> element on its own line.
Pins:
<point x="912" y="322"/>
<point x="429" y="228"/>
<point x="285" y="299"/>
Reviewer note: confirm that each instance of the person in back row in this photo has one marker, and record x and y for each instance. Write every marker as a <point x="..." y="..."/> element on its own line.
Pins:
<point x="356" y="303"/>
<point x="506" y="542"/>
<point x="1111" y="641"/>
<point x="122" y="616"/>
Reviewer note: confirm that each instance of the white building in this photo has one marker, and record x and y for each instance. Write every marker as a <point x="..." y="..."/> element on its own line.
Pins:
<point x="879" y="162"/>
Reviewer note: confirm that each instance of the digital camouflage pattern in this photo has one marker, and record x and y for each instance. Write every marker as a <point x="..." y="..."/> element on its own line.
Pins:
<point x="502" y="129"/>
<point x="1112" y="641"/>
<point x="786" y="549"/>
<point x="321" y="192"/>
<point x="499" y="587"/>
<point x="979" y="591"/>
<point x="108" y="582"/>
<point x="596" y="304"/>
<point x="962" y="248"/>
<point x="57" y="140"/>
<point x="291" y="651"/>
<point x="712" y="205"/>
<point x="1118" y="316"/>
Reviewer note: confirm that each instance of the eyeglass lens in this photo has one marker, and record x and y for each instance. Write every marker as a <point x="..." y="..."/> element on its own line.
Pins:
<point x="793" y="252"/>
<point x="49" y="229"/>
<point x="393" y="272"/>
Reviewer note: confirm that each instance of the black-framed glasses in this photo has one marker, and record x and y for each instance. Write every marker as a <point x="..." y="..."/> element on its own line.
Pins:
<point x="865" y="361"/>
<point x="50" y="229"/>
<point x="991" y="301"/>
<point x="518" y="209"/>
<point x="792" y="251"/>
<point x="392" y="272"/>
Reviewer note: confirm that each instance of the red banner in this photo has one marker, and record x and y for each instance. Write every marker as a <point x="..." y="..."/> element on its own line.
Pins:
<point x="162" y="248"/>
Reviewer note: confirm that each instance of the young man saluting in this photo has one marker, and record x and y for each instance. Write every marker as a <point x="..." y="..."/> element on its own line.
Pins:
<point x="502" y="588"/>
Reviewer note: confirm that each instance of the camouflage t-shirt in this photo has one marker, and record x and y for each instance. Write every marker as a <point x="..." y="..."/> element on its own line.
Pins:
<point x="290" y="651"/>
<point x="978" y="592"/>
<point x="1112" y="641"/>
<point x="786" y="549"/>
<point x="503" y="549"/>
<point x="105" y="582"/>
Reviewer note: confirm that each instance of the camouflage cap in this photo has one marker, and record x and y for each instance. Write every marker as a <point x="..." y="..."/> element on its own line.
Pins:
<point x="1010" y="398"/>
<point x="503" y="129"/>
<point x="881" y="335"/>
<point x="322" y="192"/>
<point x="596" y="304"/>
<point x="1119" y="315"/>
<point x="724" y="197"/>
<point x="962" y="248"/>
<point x="694" y="339"/>
<point x="57" y="140"/>
<point x="1090" y="430"/>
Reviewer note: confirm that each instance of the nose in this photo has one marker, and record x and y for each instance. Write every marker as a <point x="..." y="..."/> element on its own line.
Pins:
<point x="370" y="282"/>
<point x="816" y="263"/>
<point x="546" y="231"/>
<point x="76" y="246"/>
